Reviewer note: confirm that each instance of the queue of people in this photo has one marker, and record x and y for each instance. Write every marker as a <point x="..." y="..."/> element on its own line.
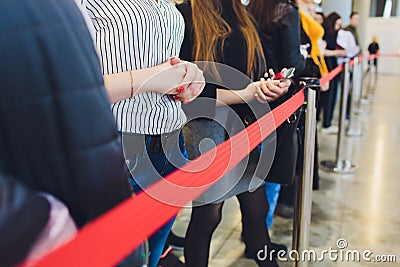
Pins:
<point x="100" y="99"/>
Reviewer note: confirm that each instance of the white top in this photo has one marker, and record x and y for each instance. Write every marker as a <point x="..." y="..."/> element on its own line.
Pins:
<point x="346" y="40"/>
<point x="137" y="34"/>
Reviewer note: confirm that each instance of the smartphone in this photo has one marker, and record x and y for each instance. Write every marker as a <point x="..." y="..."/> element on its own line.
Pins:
<point x="288" y="73"/>
<point x="284" y="74"/>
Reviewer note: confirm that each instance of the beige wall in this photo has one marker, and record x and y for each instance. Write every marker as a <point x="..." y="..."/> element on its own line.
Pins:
<point x="388" y="34"/>
<point x="362" y="7"/>
<point x="342" y="7"/>
<point x="387" y="30"/>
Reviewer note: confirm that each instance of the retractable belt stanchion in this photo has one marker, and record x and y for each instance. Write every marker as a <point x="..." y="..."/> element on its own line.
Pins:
<point x="340" y="165"/>
<point x="354" y="129"/>
<point x="363" y="104"/>
<point x="303" y="200"/>
<point x="370" y="95"/>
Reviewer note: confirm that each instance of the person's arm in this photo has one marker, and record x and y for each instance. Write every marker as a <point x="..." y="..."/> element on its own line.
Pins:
<point x="127" y="84"/>
<point x="231" y="97"/>
<point x="263" y="91"/>
<point x="180" y="78"/>
<point x="335" y="53"/>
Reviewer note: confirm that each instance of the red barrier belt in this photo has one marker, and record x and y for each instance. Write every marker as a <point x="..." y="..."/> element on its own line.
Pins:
<point x="111" y="237"/>
<point x="332" y="74"/>
<point x="327" y="78"/>
<point x="384" y="55"/>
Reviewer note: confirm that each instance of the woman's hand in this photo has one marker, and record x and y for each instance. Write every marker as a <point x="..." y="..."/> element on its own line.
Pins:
<point x="263" y="90"/>
<point x="192" y="84"/>
<point x="271" y="90"/>
<point x="176" y="77"/>
<point x="164" y="78"/>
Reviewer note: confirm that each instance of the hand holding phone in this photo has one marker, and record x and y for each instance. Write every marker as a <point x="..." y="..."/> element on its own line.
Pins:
<point x="284" y="74"/>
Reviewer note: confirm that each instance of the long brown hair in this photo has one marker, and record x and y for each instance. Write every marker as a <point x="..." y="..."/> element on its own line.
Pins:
<point x="210" y="31"/>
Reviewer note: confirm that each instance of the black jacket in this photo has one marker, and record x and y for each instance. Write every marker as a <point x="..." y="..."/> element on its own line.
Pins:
<point x="281" y="39"/>
<point x="57" y="132"/>
<point x="281" y="42"/>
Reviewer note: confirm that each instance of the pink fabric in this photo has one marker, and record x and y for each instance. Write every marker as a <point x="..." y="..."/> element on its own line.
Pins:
<point x="60" y="228"/>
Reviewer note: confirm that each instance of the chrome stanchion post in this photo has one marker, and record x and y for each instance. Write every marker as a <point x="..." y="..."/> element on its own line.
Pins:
<point x="353" y="130"/>
<point x="340" y="165"/>
<point x="370" y="94"/>
<point x="364" y="101"/>
<point x="303" y="200"/>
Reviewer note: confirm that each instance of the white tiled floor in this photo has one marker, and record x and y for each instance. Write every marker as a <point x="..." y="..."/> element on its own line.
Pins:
<point x="362" y="208"/>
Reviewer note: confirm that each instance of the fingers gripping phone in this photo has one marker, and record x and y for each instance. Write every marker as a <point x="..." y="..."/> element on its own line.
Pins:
<point x="285" y="74"/>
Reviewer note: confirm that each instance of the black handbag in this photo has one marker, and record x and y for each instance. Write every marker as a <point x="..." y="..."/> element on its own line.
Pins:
<point x="283" y="169"/>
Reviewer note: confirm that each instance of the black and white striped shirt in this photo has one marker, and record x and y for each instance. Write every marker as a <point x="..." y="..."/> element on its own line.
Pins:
<point x="137" y="34"/>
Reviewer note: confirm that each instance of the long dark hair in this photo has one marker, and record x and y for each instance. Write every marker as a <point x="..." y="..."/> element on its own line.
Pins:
<point x="211" y="30"/>
<point x="329" y="24"/>
<point x="265" y="11"/>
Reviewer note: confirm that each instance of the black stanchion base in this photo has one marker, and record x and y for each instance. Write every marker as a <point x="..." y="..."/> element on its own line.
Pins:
<point x="344" y="167"/>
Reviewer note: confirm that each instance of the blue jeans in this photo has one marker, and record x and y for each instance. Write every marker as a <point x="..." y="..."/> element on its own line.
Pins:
<point x="146" y="168"/>
<point x="272" y="192"/>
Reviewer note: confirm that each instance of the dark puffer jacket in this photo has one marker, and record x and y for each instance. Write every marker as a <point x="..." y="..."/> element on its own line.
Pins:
<point x="57" y="133"/>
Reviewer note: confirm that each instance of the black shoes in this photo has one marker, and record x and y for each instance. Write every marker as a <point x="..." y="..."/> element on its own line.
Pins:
<point x="169" y="259"/>
<point x="176" y="242"/>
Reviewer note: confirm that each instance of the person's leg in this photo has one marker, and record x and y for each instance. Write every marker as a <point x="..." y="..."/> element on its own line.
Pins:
<point x="152" y="165"/>
<point x="203" y="222"/>
<point x="254" y="208"/>
<point x="175" y="158"/>
<point x="349" y="97"/>
<point x="330" y="103"/>
<point x="157" y="241"/>
<point x="323" y="99"/>
<point x="205" y="218"/>
<point x="176" y="242"/>
<point x="286" y="196"/>
<point x="369" y="66"/>
<point x="272" y="191"/>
